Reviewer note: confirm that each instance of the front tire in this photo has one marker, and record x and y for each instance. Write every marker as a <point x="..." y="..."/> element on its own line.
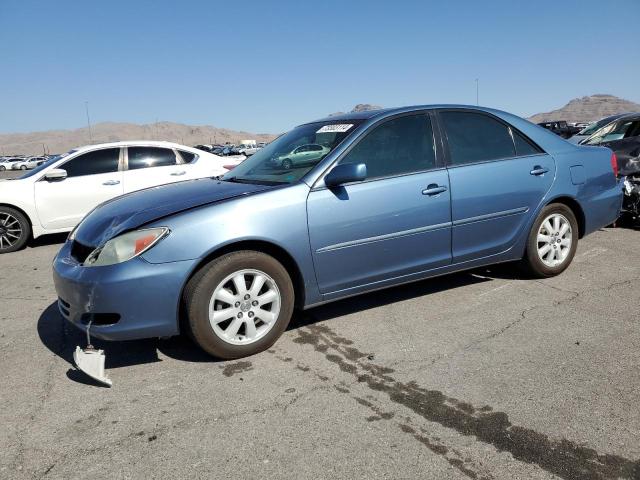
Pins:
<point x="287" y="164"/>
<point x="2" y="168"/>
<point x="552" y="241"/>
<point x="239" y="304"/>
<point x="15" y="230"/>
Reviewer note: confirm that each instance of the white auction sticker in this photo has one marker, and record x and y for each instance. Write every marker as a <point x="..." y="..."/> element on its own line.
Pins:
<point x="335" y="128"/>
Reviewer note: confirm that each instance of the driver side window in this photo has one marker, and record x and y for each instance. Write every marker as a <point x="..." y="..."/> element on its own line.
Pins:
<point x="93" y="163"/>
<point x="397" y="147"/>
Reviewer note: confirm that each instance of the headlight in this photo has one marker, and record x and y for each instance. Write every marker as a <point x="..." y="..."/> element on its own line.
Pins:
<point x="125" y="247"/>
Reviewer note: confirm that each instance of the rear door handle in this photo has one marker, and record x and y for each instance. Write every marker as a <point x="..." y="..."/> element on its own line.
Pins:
<point x="538" y="170"/>
<point x="177" y="174"/>
<point x="111" y="182"/>
<point x="434" y="189"/>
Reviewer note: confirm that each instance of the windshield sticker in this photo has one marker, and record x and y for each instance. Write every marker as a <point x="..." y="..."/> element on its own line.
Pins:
<point x="335" y="128"/>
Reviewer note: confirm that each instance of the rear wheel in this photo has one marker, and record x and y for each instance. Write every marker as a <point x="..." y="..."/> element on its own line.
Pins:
<point x="552" y="241"/>
<point x="23" y="167"/>
<point x="15" y="230"/>
<point x="239" y="304"/>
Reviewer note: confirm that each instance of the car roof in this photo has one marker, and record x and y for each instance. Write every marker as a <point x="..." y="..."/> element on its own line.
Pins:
<point x="129" y="143"/>
<point x="383" y="112"/>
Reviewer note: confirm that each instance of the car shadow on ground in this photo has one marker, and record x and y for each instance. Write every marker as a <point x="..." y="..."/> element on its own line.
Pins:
<point x="61" y="338"/>
<point x="48" y="240"/>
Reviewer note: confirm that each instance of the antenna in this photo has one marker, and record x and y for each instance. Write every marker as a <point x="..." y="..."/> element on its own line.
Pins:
<point x="86" y="107"/>
<point x="477" y="92"/>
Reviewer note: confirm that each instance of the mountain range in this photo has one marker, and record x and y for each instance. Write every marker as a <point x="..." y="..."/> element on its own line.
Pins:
<point x="584" y="109"/>
<point x="588" y="109"/>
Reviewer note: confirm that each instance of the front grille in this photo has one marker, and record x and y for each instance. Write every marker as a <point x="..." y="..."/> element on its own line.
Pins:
<point x="80" y="252"/>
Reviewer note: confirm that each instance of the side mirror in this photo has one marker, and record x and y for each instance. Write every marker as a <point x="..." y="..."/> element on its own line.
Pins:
<point x="346" y="173"/>
<point x="55" y="174"/>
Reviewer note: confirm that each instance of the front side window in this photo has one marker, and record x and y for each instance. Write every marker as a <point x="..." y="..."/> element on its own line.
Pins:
<point x="93" y="163"/>
<point x="146" y="157"/>
<point x="399" y="146"/>
<point x="281" y="161"/>
<point x="475" y="137"/>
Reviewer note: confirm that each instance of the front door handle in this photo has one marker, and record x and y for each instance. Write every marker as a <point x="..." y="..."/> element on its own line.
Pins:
<point x="177" y="174"/>
<point x="112" y="182"/>
<point x="538" y="170"/>
<point x="434" y="189"/>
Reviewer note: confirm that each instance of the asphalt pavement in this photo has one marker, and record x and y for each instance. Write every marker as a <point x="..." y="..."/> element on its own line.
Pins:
<point x="480" y="375"/>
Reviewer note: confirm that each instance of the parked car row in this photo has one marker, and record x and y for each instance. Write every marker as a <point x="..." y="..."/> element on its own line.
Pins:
<point x="20" y="163"/>
<point x="246" y="149"/>
<point x="335" y="207"/>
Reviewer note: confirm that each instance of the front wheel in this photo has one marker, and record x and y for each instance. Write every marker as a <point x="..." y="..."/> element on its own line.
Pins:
<point x="23" y="167"/>
<point x="15" y="230"/>
<point x="2" y="168"/>
<point x="287" y="164"/>
<point x="239" y="304"/>
<point x="552" y="241"/>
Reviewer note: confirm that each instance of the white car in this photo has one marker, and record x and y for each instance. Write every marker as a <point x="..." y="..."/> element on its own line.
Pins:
<point x="55" y="196"/>
<point x="28" y="163"/>
<point x="7" y="163"/>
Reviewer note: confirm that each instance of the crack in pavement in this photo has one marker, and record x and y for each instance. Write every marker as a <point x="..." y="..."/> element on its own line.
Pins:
<point x="562" y="457"/>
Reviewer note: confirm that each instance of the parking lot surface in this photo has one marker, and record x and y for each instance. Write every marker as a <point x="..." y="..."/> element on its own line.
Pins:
<point x="480" y="375"/>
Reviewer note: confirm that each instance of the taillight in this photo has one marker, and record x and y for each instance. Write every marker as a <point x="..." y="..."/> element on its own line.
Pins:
<point x="229" y="167"/>
<point x="614" y="164"/>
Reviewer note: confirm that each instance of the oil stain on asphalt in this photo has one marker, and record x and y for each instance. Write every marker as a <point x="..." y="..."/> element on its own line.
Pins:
<point x="231" y="369"/>
<point x="563" y="458"/>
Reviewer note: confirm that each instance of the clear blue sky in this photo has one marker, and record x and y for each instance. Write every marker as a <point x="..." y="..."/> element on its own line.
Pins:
<point x="265" y="66"/>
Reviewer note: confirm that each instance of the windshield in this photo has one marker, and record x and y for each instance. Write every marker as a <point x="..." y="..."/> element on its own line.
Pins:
<point x="611" y="132"/>
<point x="44" y="165"/>
<point x="289" y="157"/>
<point x="591" y="129"/>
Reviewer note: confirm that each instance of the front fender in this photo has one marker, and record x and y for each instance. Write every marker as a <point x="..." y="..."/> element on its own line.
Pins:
<point x="278" y="217"/>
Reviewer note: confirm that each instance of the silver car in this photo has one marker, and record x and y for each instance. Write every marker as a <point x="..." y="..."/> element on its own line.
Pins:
<point x="301" y="155"/>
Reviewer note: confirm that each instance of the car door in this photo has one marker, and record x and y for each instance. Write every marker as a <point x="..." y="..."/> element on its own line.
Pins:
<point x="498" y="178"/>
<point x="393" y="224"/>
<point x="149" y="166"/>
<point x="92" y="178"/>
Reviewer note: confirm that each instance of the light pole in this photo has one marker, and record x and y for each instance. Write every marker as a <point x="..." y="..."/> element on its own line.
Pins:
<point x="86" y="108"/>
<point x="477" y="92"/>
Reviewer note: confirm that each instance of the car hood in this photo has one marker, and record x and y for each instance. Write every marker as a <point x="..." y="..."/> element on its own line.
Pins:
<point x="139" y="208"/>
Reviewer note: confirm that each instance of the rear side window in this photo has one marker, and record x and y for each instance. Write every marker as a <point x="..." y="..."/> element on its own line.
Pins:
<point x="187" y="157"/>
<point x="474" y="137"/>
<point x="93" y="163"/>
<point x="524" y="146"/>
<point x="145" y="157"/>
<point x="399" y="146"/>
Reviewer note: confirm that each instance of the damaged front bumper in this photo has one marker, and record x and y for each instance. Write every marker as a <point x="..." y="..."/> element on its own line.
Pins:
<point x="127" y="301"/>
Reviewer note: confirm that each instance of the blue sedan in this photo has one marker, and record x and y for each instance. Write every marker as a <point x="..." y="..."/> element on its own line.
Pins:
<point x="398" y="195"/>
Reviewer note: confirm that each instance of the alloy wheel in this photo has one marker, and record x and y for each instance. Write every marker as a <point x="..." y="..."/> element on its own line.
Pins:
<point x="244" y="307"/>
<point x="554" y="240"/>
<point x="10" y="230"/>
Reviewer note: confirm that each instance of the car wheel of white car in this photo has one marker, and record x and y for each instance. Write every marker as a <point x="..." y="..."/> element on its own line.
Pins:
<point x="239" y="304"/>
<point x="23" y="167"/>
<point x="286" y="164"/>
<point x="15" y="230"/>
<point x="552" y="241"/>
<point x="2" y="168"/>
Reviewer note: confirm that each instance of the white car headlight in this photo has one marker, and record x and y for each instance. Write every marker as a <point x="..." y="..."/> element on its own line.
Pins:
<point x="125" y="247"/>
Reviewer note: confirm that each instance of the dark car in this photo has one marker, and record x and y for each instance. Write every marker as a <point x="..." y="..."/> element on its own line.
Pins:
<point x="623" y="137"/>
<point x="560" y="127"/>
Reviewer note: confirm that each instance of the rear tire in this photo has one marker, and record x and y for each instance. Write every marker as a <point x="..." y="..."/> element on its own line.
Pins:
<point x="239" y="304"/>
<point x="23" y="167"/>
<point x="15" y="230"/>
<point x="552" y="242"/>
